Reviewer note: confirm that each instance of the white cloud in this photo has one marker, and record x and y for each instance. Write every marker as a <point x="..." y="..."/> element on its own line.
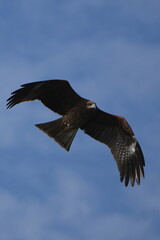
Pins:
<point x="39" y="219"/>
<point x="70" y="211"/>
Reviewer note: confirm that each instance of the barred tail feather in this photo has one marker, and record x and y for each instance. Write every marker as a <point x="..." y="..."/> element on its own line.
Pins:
<point x="54" y="130"/>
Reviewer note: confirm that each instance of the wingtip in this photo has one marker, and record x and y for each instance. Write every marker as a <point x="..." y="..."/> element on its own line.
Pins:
<point x="130" y="180"/>
<point x="9" y="104"/>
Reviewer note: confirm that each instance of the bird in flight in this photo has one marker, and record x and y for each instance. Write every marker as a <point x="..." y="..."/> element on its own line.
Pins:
<point x="80" y="113"/>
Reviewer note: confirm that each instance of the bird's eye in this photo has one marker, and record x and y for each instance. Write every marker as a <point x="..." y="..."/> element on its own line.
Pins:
<point x="91" y="105"/>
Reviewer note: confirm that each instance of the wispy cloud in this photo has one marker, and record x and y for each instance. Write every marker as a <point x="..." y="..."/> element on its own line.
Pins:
<point x="69" y="211"/>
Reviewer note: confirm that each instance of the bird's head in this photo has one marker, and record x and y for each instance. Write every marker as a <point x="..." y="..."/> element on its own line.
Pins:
<point x="91" y="105"/>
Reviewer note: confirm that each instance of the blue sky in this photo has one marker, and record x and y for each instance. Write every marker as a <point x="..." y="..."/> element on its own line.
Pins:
<point x="109" y="50"/>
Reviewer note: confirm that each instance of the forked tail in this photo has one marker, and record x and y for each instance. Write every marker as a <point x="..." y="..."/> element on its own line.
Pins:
<point x="54" y="130"/>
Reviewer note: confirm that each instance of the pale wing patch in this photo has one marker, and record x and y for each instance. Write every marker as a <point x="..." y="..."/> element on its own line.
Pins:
<point x="132" y="147"/>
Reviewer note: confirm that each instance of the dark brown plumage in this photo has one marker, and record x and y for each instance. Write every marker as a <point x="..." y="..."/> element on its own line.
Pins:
<point x="78" y="112"/>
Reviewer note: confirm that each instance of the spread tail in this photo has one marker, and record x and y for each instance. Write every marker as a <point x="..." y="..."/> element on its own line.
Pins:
<point x="54" y="130"/>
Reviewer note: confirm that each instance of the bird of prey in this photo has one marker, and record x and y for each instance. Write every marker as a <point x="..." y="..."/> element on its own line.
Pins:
<point x="80" y="113"/>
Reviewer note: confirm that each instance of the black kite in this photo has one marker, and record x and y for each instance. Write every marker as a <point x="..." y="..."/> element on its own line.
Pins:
<point x="78" y="112"/>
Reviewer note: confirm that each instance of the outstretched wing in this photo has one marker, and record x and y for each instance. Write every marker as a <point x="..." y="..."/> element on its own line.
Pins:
<point x="58" y="95"/>
<point x="115" y="132"/>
